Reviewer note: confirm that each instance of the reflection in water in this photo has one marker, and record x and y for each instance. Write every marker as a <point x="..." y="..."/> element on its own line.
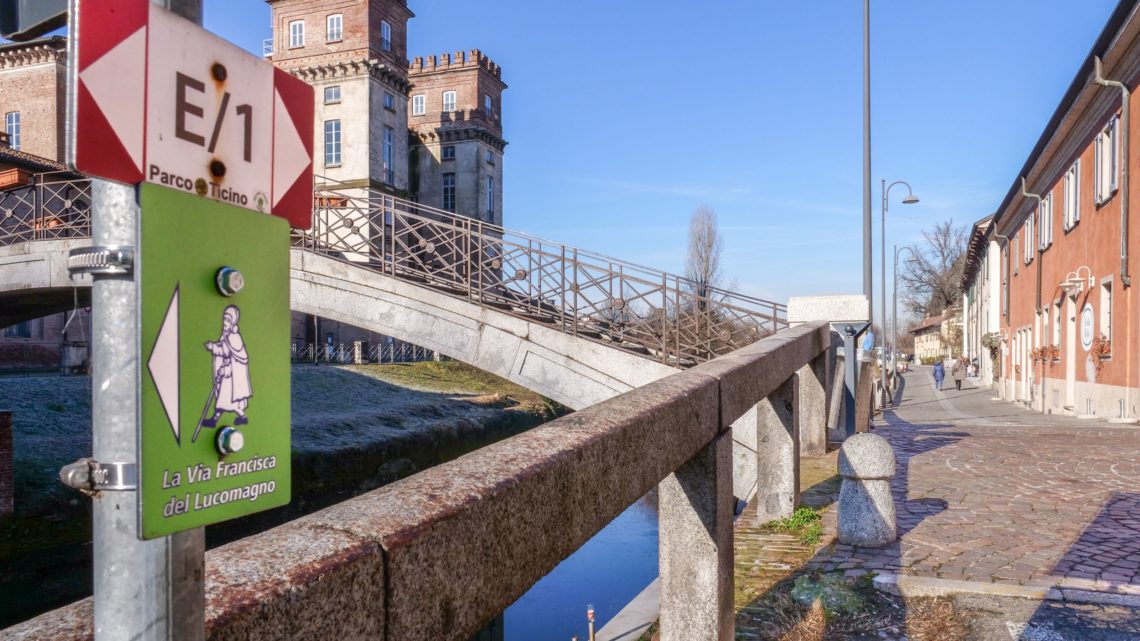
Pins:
<point x="609" y="571"/>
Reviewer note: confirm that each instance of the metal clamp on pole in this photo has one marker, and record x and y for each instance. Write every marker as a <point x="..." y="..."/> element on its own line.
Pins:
<point x="91" y="477"/>
<point x="111" y="261"/>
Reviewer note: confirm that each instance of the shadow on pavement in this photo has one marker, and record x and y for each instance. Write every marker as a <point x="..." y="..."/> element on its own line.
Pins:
<point x="1105" y="551"/>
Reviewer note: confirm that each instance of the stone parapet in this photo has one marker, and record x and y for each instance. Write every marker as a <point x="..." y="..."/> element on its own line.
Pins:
<point x="439" y="554"/>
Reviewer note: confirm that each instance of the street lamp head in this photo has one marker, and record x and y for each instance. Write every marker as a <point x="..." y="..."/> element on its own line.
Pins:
<point x="910" y="199"/>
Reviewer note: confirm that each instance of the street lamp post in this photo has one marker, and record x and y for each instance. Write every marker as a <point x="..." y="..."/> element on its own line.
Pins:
<point x="895" y="311"/>
<point x="910" y="199"/>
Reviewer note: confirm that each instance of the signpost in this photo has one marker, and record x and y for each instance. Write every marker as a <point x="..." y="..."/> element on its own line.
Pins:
<point x="210" y="152"/>
<point x="157" y="99"/>
<point x="215" y="354"/>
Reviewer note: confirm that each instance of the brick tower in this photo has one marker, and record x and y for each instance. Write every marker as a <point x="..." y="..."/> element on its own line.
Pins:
<point x="456" y="142"/>
<point x="354" y="53"/>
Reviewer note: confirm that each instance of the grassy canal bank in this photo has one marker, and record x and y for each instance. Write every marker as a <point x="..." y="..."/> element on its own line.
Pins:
<point x="354" y="428"/>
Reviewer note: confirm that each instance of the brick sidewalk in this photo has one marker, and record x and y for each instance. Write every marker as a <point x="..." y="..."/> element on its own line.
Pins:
<point x="987" y="492"/>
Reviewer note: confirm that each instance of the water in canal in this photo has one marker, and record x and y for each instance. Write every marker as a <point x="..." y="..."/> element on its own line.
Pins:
<point x="608" y="571"/>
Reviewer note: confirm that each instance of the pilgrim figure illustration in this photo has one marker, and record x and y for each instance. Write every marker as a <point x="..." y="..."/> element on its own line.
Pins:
<point x="232" y="389"/>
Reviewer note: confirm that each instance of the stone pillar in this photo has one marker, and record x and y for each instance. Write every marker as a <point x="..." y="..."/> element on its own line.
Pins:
<point x="7" y="503"/>
<point x="811" y="404"/>
<point x="866" y="506"/>
<point x="695" y="548"/>
<point x="777" y="454"/>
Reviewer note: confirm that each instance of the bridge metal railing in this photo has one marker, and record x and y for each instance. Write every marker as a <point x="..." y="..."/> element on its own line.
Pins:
<point x="437" y="555"/>
<point x="51" y="207"/>
<point x="658" y="315"/>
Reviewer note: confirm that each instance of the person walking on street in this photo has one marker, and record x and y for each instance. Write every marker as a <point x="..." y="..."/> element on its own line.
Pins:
<point x="939" y="374"/>
<point x="959" y="372"/>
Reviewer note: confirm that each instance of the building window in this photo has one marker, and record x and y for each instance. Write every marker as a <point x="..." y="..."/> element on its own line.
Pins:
<point x="1045" y="222"/>
<point x="12" y="128"/>
<point x="1106" y="309"/>
<point x="1027" y="243"/>
<point x="448" y="152"/>
<point x="1072" y="214"/>
<point x="389" y="101"/>
<point x="389" y="168"/>
<point x="385" y="35"/>
<point x="449" y="191"/>
<point x="332" y="95"/>
<point x="449" y="101"/>
<point x="1057" y="322"/>
<point x="297" y="33"/>
<point x="1107" y="163"/>
<point x="488" y="105"/>
<point x="490" y="196"/>
<point x="332" y="143"/>
<point x="419" y="105"/>
<point x="490" y="156"/>
<point x="334" y="27"/>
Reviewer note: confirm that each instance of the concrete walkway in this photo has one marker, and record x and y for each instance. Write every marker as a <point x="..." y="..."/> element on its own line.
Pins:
<point x="994" y="498"/>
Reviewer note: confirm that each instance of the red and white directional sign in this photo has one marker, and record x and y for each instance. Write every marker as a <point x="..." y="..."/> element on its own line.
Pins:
<point x="161" y="100"/>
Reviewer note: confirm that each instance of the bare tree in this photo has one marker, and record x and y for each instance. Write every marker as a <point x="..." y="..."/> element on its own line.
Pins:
<point x="702" y="265"/>
<point x="931" y="281"/>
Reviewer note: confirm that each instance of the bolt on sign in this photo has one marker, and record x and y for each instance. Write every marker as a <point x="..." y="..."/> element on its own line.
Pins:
<point x="220" y="144"/>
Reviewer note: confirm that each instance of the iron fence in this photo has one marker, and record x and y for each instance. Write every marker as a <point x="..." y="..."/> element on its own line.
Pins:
<point x="649" y="312"/>
<point x="346" y="354"/>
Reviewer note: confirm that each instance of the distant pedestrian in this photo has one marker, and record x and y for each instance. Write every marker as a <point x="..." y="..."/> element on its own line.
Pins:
<point x="939" y="374"/>
<point x="959" y="372"/>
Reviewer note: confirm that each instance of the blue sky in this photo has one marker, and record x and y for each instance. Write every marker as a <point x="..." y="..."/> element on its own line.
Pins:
<point x="624" y="116"/>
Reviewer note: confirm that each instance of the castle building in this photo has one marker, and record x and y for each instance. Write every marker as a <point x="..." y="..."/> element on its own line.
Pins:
<point x="456" y="148"/>
<point x="430" y="130"/>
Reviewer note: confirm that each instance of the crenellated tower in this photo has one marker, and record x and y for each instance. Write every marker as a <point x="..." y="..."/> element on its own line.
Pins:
<point x="456" y="140"/>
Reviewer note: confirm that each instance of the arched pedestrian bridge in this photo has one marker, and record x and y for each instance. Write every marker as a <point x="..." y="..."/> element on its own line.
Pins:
<point x="576" y="326"/>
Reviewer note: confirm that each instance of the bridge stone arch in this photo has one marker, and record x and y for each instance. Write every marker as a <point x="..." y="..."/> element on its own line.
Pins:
<point x="573" y="371"/>
<point x="34" y="281"/>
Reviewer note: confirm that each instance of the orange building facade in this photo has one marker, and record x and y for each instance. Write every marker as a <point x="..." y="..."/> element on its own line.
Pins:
<point x="1061" y="250"/>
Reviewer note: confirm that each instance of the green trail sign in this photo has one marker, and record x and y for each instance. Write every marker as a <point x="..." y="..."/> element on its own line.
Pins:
<point x="214" y="435"/>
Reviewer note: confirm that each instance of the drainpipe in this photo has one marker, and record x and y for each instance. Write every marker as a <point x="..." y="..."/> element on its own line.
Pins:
<point x="1125" y="111"/>
<point x="1037" y="241"/>
<point x="1125" y="95"/>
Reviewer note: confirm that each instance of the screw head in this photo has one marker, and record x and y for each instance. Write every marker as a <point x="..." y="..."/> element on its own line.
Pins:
<point x="229" y="281"/>
<point x="230" y="441"/>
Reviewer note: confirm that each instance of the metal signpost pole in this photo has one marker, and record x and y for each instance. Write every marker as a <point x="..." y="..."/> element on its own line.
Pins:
<point x="851" y="369"/>
<point x="169" y="299"/>
<point x="147" y="590"/>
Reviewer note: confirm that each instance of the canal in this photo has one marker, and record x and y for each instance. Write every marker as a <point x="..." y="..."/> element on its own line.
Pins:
<point x="608" y="571"/>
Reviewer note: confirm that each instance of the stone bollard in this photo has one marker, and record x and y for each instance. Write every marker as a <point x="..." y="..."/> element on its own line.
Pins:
<point x="866" y="507"/>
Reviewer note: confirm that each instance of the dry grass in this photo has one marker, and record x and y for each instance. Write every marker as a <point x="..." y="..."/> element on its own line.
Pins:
<point x="777" y="617"/>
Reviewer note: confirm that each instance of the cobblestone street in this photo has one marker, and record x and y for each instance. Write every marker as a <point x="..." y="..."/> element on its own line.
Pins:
<point x="988" y="492"/>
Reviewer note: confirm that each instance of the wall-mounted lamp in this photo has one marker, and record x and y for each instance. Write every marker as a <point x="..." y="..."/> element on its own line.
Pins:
<point x="1074" y="282"/>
